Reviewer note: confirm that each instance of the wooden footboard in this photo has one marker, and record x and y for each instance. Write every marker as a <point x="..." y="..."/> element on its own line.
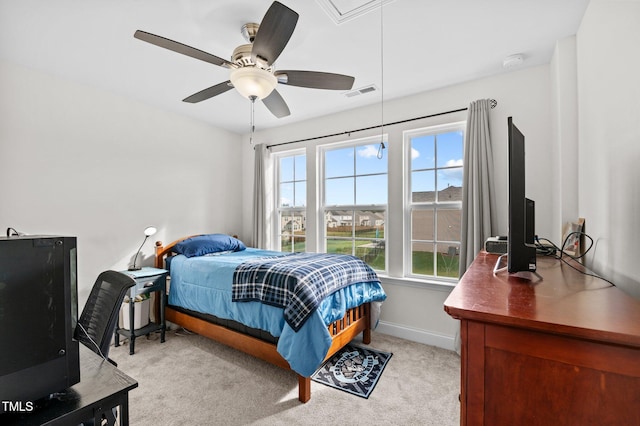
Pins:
<point x="342" y="331"/>
<point x="356" y="321"/>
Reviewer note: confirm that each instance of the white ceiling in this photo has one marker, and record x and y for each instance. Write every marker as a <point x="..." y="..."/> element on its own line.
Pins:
<point x="428" y="44"/>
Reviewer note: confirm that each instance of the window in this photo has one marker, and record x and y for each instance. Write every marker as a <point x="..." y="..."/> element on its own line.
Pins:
<point x="355" y="201"/>
<point x="434" y="200"/>
<point x="347" y="191"/>
<point x="292" y="201"/>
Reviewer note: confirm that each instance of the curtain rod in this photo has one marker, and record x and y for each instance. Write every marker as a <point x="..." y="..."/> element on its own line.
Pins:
<point x="493" y="103"/>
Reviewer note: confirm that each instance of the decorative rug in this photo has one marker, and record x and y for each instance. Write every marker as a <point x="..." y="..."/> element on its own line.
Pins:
<point x="353" y="369"/>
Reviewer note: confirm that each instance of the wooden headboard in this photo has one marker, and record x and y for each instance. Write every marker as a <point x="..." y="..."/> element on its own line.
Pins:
<point x="164" y="251"/>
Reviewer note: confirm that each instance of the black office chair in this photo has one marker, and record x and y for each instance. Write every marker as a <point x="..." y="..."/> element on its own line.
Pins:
<point x="99" y="317"/>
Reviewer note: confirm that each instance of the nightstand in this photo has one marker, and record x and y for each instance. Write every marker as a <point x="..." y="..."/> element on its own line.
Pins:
<point x="148" y="280"/>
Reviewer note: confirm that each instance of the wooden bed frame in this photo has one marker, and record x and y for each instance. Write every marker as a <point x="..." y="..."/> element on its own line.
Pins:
<point x="342" y="331"/>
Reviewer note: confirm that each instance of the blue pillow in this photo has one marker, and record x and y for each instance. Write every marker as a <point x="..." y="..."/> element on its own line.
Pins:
<point x="207" y="244"/>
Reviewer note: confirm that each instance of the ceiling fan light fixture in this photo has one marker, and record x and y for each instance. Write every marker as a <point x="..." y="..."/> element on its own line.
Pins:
<point x="251" y="70"/>
<point x="253" y="82"/>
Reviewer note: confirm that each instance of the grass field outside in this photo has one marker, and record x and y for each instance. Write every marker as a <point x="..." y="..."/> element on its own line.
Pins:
<point x="423" y="264"/>
<point x="364" y="242"/>
<point x="369" y="245"/>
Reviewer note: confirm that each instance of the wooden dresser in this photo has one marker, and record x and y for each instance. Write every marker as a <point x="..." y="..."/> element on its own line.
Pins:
<point x="559" y="349"/>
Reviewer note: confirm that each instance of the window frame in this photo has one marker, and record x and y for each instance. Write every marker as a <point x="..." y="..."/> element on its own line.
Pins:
<point x="410" y="206"/>
<point x="323" y="208"/>
<point x="279" y="211"/>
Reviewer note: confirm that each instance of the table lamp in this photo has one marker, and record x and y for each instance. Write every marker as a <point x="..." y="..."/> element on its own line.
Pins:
<point x="148" y="231"/>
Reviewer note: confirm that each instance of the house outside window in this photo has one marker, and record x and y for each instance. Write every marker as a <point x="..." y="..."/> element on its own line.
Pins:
<point x="354" y="207"/>
<point x="292" y="201"/>
<point x="433" y="201"/>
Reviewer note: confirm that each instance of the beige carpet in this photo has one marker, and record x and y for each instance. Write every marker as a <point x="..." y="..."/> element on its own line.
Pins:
<point x="192" y="380"/>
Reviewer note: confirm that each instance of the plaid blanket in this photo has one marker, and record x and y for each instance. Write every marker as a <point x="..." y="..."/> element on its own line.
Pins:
<point x="297" y="282"/>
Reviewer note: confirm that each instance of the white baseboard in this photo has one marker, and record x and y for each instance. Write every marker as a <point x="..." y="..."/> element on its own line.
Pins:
<point x="416" y="335"/>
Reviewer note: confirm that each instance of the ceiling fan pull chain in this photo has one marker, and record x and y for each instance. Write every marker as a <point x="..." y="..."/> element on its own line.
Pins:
<point x="381" y="146"/>
<point x="253" y="126"/>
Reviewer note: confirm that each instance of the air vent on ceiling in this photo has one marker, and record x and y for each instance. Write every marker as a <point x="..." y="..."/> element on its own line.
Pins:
<point x="361" y="91"/>
<point x="344" y="10"/>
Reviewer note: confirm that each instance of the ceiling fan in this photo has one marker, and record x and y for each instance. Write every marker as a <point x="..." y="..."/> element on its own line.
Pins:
<point x="251" y="66"/>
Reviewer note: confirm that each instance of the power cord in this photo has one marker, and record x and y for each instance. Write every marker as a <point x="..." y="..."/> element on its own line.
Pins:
<point x="552" y="250"/>
<point x="92" y="341"/>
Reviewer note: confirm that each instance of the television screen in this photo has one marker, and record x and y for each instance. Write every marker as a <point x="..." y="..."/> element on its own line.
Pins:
<point x="521" y="251"/>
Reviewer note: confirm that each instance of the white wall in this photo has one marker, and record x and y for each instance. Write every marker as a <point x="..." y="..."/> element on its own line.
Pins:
<point x="82" y="162"/>
<point x="415" y="310"/>
<point x="609" y="129"/>
<point x="564" y="107"/>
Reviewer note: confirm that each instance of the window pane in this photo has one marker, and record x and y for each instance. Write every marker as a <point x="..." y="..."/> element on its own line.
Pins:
<point x="422" y="152"/>
<point x="286" y="169"/>
<point x="286" y="194"/>
<point x="292" y="231"/>
<point x="369" y="224"/>
<point x="354" y="176"/>
<point x="448" y="260"/>
<point x="371" y="189"/>
<point x="371" y="252"/>
<point x="286" y="243"/>
<point x="422" y="225"/>
<point x="292" y="224"/>
<point x="339" y="246"/>
<point x="450" y="177"/>
<point x="367" y="160"/>
<point x="339" y="191"/>
<point x="339" y="223"/>
<point x="422" y="258"/>
<point x="292" y="192"/>
<point x="339" y="162"/>
<point x="300" y="194"/>
<point x="449" y="224"/>
<point x="450" y="149"/>
<point x="423" y="186"/>
<point x="299" y="243"/>
<point x="301" y="167"/>
<point x="436" y="177"/>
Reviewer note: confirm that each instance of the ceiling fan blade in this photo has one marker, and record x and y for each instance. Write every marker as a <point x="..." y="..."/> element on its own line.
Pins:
<point x="274" y="33"/>
<point x="209" y="92"/>
<point x="315" y="80"/>
<point x="181" y="48"/>
<point x="276" y="104"/>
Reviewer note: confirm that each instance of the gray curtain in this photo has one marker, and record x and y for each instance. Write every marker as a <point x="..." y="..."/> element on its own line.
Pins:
<point x="478" y="197"/>
<point x="259" y="197"/>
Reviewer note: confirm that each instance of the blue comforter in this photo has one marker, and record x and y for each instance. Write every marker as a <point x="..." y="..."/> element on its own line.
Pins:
<point x="203" y="284"/>
<point x="297" y="282"/>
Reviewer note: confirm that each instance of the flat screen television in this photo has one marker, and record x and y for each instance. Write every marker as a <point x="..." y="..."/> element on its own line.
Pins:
<point x="38" y="313"/>
<point x="521" y="251"/>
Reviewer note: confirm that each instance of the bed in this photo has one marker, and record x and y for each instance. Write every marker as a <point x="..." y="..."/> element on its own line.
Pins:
<point x="217" y="289"/>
